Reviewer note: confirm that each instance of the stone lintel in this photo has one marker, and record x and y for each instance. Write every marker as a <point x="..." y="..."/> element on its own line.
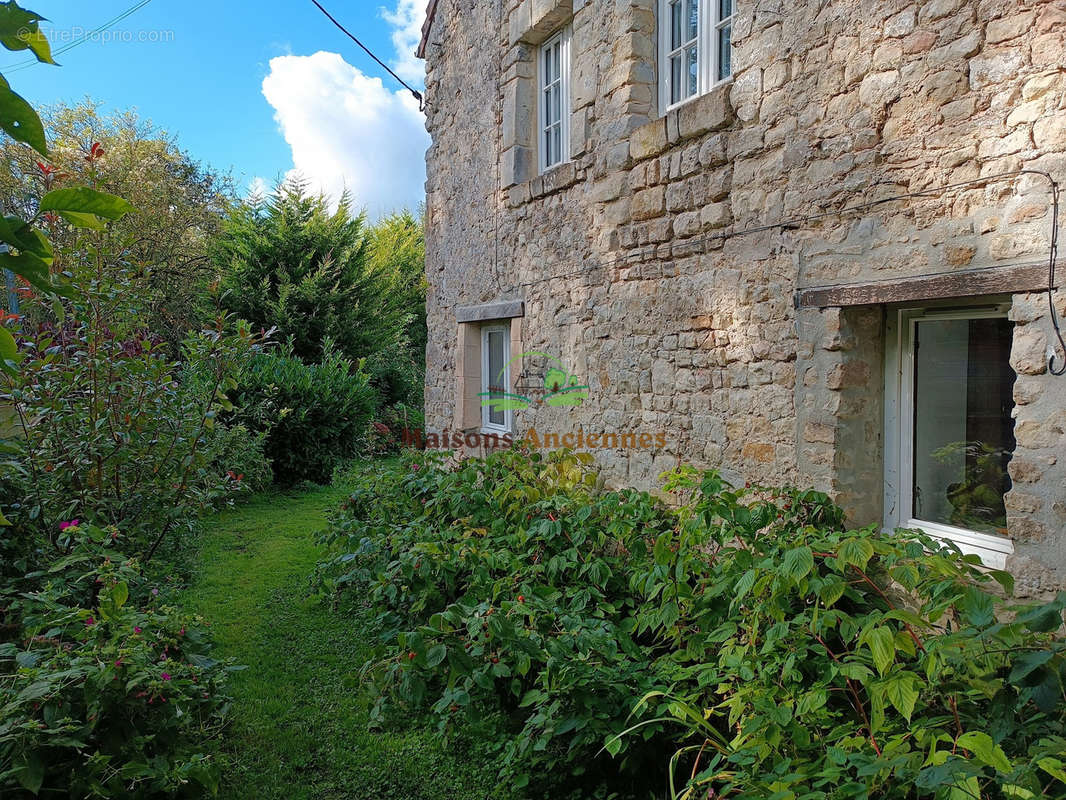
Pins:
<point x="504" y="309"/>
<point x="964" y="283"/>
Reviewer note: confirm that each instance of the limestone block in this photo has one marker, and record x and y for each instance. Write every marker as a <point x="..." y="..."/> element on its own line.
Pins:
<point x="711" y="112"/>
<point x="649" y="203"/>
<point x="648" y="140"/>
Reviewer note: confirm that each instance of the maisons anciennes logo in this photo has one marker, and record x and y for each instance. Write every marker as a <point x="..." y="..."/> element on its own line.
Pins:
<point x="560" y="388"/>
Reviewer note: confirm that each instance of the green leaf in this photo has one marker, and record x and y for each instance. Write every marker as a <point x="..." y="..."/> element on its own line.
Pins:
<point x="79" y="203"/>
<point x="19" y="120"/>
<point x="120" y="594"/>
<point x="31" y="776"/>
<point x="985" y="750"/>
<point x="20" y="30"/>
<point x="832" y="589"/>
<point x="902" y="692"/>
<point x="798" y="563"/>
<point x="1053" y="767"/>
<point x="977" y="607"/>
<point x="882" y="644"/>
<point x="1027" y="664"/>
<point x="8" y="350"/>
<point x="436" y="655"/>
<point x="856" y="552"/>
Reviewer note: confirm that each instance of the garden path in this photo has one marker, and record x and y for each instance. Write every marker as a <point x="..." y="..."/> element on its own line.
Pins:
<point x="299" y="715"/>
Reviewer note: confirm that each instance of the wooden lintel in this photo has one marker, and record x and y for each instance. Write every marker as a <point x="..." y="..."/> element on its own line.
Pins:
<point x="971" y="283"/>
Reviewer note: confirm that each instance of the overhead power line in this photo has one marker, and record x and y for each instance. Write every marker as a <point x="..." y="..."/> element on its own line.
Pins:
<point x="417" y="94"/>
<point x="82" y="39"/>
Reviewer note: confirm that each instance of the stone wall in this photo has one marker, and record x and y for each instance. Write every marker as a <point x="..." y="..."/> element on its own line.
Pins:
<point x="651" y="265"/>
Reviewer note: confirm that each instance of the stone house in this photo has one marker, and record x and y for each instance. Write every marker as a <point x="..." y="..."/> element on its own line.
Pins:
<point x="735" y="221"/>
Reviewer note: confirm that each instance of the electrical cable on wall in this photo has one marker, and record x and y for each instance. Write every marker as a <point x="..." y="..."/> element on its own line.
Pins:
<point x="792" y="223"/>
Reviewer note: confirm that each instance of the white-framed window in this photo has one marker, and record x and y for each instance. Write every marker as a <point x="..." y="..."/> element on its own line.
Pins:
<point x="949" y="426"/>
<point x="553" y="100"/>
<point x="496" y="378"/>
<point x="695" y="48"/>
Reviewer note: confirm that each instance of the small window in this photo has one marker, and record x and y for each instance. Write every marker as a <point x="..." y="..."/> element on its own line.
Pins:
<point x="695" y="47"/>
<point x="495" y="378"/>
<point x="554" y="100"/>
<point x="955" y="427"/>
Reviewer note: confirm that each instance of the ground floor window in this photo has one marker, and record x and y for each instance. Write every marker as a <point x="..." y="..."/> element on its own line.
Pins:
<point x="495" y="377"/>
<point x="950" y="426"/>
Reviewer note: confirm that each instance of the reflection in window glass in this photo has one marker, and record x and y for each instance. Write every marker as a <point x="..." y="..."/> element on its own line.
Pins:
<point x="963" y="429"/>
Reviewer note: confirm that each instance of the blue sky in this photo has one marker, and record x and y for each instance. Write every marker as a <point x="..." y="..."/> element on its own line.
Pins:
<point x="254" y="86"/>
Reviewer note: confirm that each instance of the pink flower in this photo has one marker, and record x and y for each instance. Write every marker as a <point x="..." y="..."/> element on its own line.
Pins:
<point x="165" y="676"/>
<point x="90" y="622"/>
<point x="136" y="629"/>
<point x="118" y="663"/>
<point x="155" y="593"/>
<point x="72" y="524"/>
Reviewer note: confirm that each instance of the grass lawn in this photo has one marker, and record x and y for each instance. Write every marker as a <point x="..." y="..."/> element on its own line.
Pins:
<point x="299" y="715"/>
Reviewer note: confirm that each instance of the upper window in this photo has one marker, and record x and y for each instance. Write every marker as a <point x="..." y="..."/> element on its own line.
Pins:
<point x="954" y="431"/>
<point x="695" y="51"/>
<point x="554" y="100"/>
<point x="495" y="378"/>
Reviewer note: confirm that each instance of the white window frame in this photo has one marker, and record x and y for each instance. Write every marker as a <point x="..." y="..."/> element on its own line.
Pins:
<point x="899" y="434"/>
<point x="562" y="39"/>
<point x="707" y="55"/>
<point x="487" y="426"/>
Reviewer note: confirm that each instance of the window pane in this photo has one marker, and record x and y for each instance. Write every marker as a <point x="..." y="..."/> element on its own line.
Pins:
<point x="692" y="19"/>
<point x="693" y="72"/>
<point x="725" y="52"/>
<point x="555" y="108"/>
<point x="725" y="9"/>
<point x="557" y="143"/>
<point x="963" y="431"/>
<point x="676" y="74"/>
<point x="497" y="359"/>
<point x="547" y="66"/>
<point x="675" y="25"/>
<point x="549" y="153"/>
<point x="557" y="51"/>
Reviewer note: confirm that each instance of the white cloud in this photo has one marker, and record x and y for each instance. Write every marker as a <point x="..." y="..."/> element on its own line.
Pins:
<point x="347" y="131"/>
<point x="406" y="20"/>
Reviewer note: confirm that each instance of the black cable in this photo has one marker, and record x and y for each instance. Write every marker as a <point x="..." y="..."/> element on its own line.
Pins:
<point x="1051" y="281"/>
<point x="84" y="38"/>
<point x="417" y="94"/>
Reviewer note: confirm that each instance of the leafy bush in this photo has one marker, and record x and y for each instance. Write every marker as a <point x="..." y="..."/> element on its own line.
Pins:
<point x="104" y="692"/>
<point x="240" y="455"/>
<point x="772" y="652"/>
<point x="313" y="415"/>
<point x="110" y="428"/>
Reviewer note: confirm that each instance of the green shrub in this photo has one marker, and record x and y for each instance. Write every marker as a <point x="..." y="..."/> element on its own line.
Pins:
<point x="314" y="416"/>
<point x="732" y="643"/>
<point x="104" y="691"/>
<point x="240" y="455"/>
<point x="109" y="427"/>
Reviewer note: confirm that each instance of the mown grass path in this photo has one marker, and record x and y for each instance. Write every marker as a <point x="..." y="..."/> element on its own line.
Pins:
<point x="299" y="716"/>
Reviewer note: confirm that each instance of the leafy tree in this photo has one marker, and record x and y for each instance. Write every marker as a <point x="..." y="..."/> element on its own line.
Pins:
<point x="179" y="202"/>
<point x="291" y="262"/>
<point x="398" y="251"/>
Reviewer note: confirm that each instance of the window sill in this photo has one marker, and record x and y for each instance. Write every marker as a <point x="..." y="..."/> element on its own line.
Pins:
<point x="711" y="111"/>
<point x="992" y="549"/>
<point x="555" y="179"/>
